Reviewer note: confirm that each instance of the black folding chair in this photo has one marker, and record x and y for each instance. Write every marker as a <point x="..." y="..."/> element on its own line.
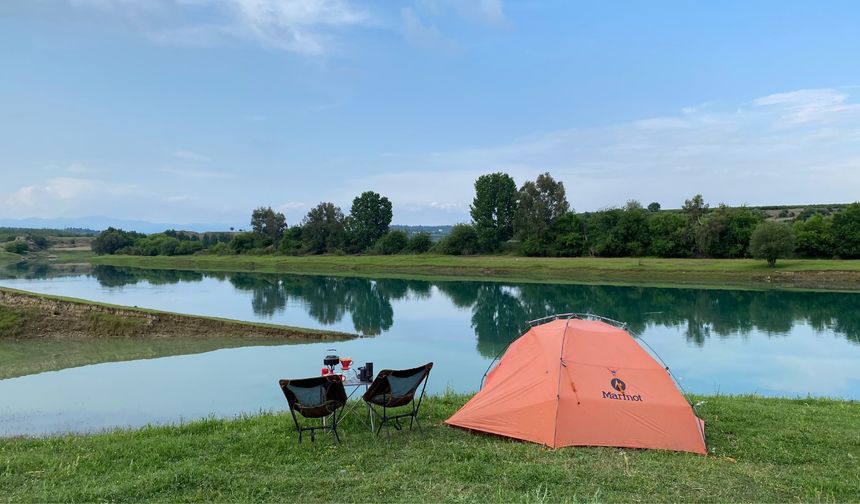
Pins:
<point x="319" y="397"/>
<point x="395" y="388"/>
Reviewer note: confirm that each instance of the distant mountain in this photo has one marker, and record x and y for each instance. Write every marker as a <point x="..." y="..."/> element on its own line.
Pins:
<point x="100" y="223"/>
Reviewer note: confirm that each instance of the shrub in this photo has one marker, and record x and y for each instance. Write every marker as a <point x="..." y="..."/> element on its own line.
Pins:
<point x="463" y="240"/>
<point x="112" y="240"/>
<point x="188" y="247"/>
<point x="846" y="231"/>
<point x="291" y="242"/>
<point x="220" y="248"/>
<point x="392" y="242"/>
<point x="419" y="243"/>
<point x="17" y="247"/>
<point x="243" y="243"/>
<point x="814" y="237"/>
<point x="156" y="244"/>
<point x="39" y="241"/>
<point x="772" y="240"/>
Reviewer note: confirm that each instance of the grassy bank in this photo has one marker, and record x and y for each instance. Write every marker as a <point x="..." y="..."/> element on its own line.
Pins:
<point x="794" y="273"/>
<point x="46" y="333"/>
<point x="772" y="450"/>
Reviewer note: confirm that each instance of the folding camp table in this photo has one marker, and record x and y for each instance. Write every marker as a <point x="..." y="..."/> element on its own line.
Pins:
<point x="355" y="385"/>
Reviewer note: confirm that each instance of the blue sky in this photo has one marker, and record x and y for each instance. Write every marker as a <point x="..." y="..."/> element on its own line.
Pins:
<point x="182" y="111"/>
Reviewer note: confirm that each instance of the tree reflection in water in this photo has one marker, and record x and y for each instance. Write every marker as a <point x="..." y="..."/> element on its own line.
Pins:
<point x="500" y="310"/>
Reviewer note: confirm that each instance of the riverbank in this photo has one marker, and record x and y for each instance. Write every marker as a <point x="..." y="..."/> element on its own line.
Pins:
<point x="765" y="450"/>
<point x="46" y="333"/>
<point x="790" y="273"/>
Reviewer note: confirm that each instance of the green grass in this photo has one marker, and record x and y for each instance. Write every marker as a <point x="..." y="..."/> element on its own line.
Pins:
<point x="770" y="450"/>
<point x="804" y="273"/>
<point x="71" y="256"/>
<point x="9" y="258"/>
<point x="115" y="325"/>
<point x="10" y="321"/>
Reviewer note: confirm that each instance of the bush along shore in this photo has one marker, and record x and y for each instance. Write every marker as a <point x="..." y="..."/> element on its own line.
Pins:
<point x="45" y="333"/>
<point x="766" y="450"/>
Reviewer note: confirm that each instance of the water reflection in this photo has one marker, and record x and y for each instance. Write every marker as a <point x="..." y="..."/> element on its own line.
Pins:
<point x="499" y="310"/>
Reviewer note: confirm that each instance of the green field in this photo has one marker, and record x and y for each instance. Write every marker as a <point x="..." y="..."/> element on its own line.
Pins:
<point x="766" y="450"/>
<point x="800" y="273"/>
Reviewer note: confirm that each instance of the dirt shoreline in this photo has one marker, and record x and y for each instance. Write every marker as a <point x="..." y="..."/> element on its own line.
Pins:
<point x="42" y="317"/>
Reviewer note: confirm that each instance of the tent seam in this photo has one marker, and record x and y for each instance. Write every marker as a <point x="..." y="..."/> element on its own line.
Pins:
<point x="558" y="384"/>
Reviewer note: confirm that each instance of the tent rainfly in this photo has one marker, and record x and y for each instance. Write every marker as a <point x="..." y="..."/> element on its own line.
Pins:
<point x="576" y="382"/>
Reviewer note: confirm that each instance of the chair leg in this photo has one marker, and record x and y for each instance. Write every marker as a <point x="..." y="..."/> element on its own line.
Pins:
<point x="385" y="420"/>
<point x="334" y="427"/>
<point x="298" y="427"/>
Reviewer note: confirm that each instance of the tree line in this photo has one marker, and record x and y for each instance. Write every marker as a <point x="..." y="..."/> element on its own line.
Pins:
<point x="535" y="219"/>
<point x="324" y="230"/>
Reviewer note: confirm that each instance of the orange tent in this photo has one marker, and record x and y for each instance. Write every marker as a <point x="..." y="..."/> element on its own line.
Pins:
<point x="576" y="382"/>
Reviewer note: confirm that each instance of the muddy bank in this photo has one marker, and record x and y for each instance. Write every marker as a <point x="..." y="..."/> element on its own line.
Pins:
<point x="42" y="333"/>
<point x="32" y="316"/>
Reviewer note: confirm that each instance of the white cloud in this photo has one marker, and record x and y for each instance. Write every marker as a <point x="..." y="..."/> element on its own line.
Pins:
<point x="300" y="26"/>
<point x="60" y="193"/>
<point x="488" y="11"/>
<point x="290" y="205"/>
<point x="810" y="106"/>
<point x="737" y="155"/>
<point x="187" y="155"/>
<point x="69" y="197"/>
<point x="79" y="167"/>
<point x="423" y="34"/>
<point x="197" y="173"/>
<point x="485" y="11"/>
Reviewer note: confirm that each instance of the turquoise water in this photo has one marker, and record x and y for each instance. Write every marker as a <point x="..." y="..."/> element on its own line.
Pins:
<point x="775" y="343"/>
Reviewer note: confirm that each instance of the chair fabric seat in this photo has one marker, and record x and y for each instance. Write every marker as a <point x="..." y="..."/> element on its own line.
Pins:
<point x="319" y="410"/>
<point x="396" y="388"/>
<point x="390" y="401"/>
<point x="317" y="397"/>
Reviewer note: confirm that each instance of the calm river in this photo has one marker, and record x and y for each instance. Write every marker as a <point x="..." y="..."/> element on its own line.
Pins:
<point x="775" y="343"/>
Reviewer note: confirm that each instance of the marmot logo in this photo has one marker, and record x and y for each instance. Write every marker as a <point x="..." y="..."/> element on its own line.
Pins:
<point x="619" y="386"/>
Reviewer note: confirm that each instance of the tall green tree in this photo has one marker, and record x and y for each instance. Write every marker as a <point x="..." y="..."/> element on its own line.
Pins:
<point x="633" y="229"/>
<point x="268" y="224"/>
<point x="369" y="219"/>
<point x="846" y="231"/>
<point x="669" y="237"/>
<point x="569" y="236"/>
<point x="493" y="209"/>
<point x="540" y="204"/>
<point x="323" y="229"/>
<point x="694" y="210"/>
<point x="695" y="207"/>
<point x="772" y="240"/>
